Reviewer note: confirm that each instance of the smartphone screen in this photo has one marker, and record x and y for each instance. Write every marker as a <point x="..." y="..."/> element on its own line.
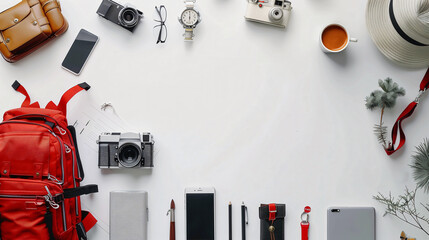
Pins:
<point x="200" y="216"/>
<point x="80" y="51"/>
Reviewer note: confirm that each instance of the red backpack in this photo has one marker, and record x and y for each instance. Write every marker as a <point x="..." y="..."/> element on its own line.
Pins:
<point x="40" y="173"/>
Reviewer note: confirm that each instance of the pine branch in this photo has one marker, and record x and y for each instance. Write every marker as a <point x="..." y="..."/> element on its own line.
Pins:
<point x="381" y="132"/>
<point x="420" y="165"/>
<point x="403" y="206"/>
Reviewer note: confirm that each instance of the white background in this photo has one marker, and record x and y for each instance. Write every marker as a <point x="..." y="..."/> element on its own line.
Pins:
<point x="259" y="113"/>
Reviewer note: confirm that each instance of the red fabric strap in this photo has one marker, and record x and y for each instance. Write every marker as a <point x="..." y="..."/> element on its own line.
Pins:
<point x="19" y="88"/>
<point x="89" y="221"/>
<point x="67" y="96"/>
<point x="425" y="82"/>
<point x="272" y="211"/>
<point x="26" y="103"/>
<point x="424" y="85"/>
<point x="304" y="230"/>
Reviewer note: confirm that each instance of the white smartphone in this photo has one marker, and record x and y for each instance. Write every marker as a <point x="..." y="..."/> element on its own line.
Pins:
<point x="200" y="213"/>
<point x="79" y="52"/>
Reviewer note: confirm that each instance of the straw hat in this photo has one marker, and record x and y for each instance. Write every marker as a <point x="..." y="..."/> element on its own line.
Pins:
<point x="400" y="29"/>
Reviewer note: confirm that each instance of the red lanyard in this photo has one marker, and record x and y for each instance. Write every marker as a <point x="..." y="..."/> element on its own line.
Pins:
<point x="305" y="224"/>
<point x="424" y="85"/>
<point x="304" y="230"/>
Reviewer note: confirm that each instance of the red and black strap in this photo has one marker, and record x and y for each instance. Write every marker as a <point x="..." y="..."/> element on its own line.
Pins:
<point x="62" y="105"/>
<point x="67" y="96"/>
<point x="88" y="222"/>
<point x="27" y="101"/>
<point x="424" y="85"/>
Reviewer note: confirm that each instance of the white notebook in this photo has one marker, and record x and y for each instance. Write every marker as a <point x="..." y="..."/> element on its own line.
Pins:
<point x="128" y="215"/>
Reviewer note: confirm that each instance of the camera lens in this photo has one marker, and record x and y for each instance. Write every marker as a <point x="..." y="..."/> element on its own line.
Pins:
<point x="129" y="17"/>
<point x="276" y="14"/>
<point x="129" y="155"/>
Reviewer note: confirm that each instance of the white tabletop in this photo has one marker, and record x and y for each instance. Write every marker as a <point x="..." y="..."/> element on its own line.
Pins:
<point x="258" y="112"/>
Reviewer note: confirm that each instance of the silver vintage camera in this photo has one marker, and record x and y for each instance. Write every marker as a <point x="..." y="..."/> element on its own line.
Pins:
<point x="126" y="16"/>
<point x="125" y="150"/>
<point x="272" y="12"/>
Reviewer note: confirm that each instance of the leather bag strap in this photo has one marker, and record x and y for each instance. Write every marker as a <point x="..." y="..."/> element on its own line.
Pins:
<point x="424" y="85"/>
<point x="67" y="96"/>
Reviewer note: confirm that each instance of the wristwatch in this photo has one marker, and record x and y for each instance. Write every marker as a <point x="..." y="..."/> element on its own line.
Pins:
<point x="189" y="19"/>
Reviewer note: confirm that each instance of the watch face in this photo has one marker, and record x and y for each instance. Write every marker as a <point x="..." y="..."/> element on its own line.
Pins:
<point x="189" y="17"/>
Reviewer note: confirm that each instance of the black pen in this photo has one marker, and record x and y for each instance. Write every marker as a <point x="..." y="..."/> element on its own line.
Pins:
<point x="230" y="220"/>
<point x="243" y="221"/>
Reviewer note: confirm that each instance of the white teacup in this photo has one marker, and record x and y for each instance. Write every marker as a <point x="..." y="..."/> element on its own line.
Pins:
<point x="335" y="38"/>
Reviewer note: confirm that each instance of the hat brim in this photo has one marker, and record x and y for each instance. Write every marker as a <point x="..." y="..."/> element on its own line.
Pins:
<point x="387" y="39"/>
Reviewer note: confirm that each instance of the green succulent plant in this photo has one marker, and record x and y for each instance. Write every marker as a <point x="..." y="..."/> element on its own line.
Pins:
<point x="385" y="98"/>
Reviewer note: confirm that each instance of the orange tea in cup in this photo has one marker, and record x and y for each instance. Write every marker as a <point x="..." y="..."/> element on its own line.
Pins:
<point x="335" y="38"/>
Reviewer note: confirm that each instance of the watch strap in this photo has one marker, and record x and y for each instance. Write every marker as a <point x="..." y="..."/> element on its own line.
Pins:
<point x="190" y="3"/>
<point x="189" y="34"/>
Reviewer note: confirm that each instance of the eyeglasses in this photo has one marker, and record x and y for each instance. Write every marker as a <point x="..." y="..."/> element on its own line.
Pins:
<point x="160" y="30"/>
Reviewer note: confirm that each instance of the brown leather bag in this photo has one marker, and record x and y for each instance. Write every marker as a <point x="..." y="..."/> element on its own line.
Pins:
<point x="28" y="25"/>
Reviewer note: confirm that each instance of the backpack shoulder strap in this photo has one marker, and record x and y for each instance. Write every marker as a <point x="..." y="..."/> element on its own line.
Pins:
<point x="67" y="96"/>
<point x="27" y="101"/>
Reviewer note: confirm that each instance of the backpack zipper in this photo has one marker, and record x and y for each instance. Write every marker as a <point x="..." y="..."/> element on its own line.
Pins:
<point x="48" y="198"/>
<point x="54" y="179"/>
<point x="61" y="130"/>
<point x="74" y="182"/>
<point x="74" y="179"/>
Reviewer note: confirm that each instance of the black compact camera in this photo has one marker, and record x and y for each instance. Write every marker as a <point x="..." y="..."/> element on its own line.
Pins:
<point x="126" y="16"/>
<point x="125" y="150"/>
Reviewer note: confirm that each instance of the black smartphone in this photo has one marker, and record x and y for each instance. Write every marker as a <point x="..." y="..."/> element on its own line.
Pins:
<point x="200" y="213"/>
<point x="79" y="52"/>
